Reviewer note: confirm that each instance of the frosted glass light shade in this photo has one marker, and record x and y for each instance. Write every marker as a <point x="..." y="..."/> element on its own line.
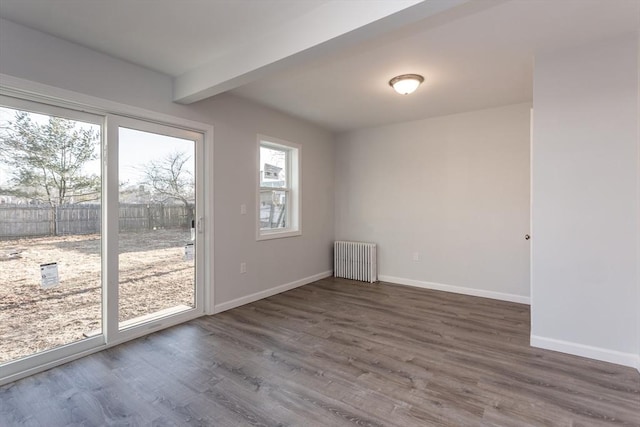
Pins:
<point x="406" y="83"/>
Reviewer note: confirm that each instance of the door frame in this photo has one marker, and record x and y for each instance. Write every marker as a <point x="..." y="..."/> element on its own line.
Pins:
<point x="112" y="331"/>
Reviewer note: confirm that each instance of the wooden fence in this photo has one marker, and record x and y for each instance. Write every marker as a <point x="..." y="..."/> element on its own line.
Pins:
<point x="29" y="221"/>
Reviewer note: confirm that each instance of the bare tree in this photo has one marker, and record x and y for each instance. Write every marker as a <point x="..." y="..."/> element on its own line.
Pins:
<point x="46" y="161"/>
<point x="170" y="179"/>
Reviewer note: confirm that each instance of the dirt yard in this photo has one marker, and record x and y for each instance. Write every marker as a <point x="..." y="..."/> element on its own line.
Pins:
<point x="153" y="276"/>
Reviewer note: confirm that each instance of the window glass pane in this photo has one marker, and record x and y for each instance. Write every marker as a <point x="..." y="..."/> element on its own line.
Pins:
<point x="157" y="226"/>
<point x="273" y="209"/>
<point x="278" y="189"/>
<point x="50" y="221"/>
<point x="273" y="167"/>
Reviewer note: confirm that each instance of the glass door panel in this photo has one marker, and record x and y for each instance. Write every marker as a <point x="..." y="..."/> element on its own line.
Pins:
<point x="157" y="221"/>
<point x="50" y="228"/>
<point x="99" y="230"/>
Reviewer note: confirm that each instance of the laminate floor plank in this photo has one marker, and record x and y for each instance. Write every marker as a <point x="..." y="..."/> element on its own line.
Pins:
<point x="334" y="353"/>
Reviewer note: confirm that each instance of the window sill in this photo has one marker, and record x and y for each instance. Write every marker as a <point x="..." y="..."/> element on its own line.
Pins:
<point x="268" y="235"/>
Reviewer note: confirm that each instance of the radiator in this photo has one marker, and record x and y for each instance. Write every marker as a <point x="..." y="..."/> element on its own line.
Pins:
<point x="355" y="260"/>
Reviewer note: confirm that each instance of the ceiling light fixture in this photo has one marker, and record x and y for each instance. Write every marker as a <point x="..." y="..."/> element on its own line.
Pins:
<point x="406" y="83"/>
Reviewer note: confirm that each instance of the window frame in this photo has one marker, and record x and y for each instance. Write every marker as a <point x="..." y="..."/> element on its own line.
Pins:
<point x="292" y="189"/>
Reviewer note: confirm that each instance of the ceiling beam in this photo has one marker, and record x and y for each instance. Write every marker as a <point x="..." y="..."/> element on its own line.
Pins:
<point x="336" y="24"/>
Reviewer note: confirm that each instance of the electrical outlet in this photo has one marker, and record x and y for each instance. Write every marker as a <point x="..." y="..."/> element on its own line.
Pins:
<point x="243" y="209"/>
<point x="416" y="256"/>
<point x="243" y="267"/>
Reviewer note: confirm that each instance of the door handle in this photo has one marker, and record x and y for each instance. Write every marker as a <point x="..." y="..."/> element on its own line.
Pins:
<point x="527" y="237"/>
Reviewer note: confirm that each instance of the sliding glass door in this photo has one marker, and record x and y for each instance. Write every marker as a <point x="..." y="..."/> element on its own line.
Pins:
<point x="158" y="225"/>
<point x="101" y="231"/>
<point x="50" y="230"/>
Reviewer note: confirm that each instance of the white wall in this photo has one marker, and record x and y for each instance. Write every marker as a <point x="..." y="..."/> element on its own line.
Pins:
<point x="34" y="56"/>
<point x="276" y="262"/>
<point x="38" y="57"/>
<point x="586" y="201"/>
<point x="454" y="189"/>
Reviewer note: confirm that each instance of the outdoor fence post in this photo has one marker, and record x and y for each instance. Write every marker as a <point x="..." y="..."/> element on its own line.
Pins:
<point x="54" y="221"/>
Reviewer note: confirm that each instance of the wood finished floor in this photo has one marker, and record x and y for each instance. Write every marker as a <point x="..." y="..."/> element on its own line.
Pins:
<point x="334" y="353"/>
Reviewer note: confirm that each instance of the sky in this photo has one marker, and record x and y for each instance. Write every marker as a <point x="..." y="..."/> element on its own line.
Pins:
<point x="138" y="148"/>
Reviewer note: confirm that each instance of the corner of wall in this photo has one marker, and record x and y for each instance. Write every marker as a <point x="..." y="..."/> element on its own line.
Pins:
<point x="560" y="145"/>
<point x="638" y="206"/>
<point x="597" y="353"/>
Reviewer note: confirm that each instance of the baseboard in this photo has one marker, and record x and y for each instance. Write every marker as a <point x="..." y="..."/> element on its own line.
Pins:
<point x="218" y="308"/>
<point x="597" y="353"/>
<point x="456" y="289"/>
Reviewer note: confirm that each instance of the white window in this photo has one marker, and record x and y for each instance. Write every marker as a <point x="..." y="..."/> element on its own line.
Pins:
<point x="278" y="189"/>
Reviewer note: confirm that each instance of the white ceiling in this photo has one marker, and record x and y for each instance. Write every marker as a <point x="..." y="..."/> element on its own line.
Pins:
<point x="329" y="61"/>
<point x="476" y="61"/>
<point x="169" y="36"/>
